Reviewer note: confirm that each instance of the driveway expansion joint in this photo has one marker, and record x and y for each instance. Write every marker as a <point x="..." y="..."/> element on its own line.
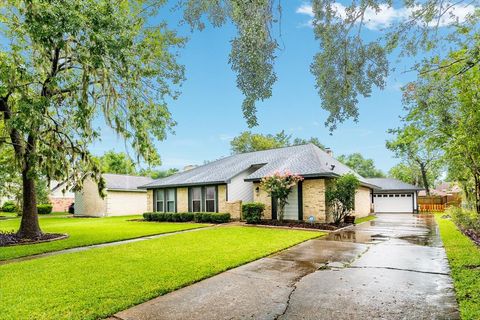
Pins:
<point x="400" y="269"/>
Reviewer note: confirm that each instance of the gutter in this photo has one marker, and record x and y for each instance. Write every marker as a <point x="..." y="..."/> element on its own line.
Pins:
<point x="175" y="185"/>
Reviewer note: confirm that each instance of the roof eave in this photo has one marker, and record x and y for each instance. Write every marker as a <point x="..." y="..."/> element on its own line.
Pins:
<point x="176" y="185"/>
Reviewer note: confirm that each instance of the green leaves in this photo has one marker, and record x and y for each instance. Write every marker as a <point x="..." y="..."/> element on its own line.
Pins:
<point x="340" y="196"/>
<point x="86" y="61"/>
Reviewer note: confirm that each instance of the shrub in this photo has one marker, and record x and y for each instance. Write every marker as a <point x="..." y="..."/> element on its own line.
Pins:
<point x="9" y="206"/>
<point x="252" y="212"/>
<point x="168" y="216"/>
<point x="466" y="219"/>
<point x="340" y="196"/>
<point x="44" y="208"/>
<point x="210" y="217"/>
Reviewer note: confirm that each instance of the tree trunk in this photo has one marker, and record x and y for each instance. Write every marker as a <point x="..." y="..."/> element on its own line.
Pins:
<point x="29" y="227"/>
<point x="424" y="178"/>
<point x="477" y="193"/>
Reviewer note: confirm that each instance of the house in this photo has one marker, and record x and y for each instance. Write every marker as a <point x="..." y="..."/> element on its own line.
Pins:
<point x="222" y="185"/>
<point x="122" y="196"/>
<point x="394" y="196"/>
<point x="60" y="196"/>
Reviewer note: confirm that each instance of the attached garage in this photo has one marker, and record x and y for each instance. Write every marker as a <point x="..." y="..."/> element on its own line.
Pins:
<point x="394" y="196"/>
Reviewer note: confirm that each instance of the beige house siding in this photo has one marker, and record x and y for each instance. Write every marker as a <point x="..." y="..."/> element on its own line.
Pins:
<point x="234" y="208"/>
<point x="122" y="203"/>
<point x="314" y="199"/>
<point x="363" y="202"/>
<point x="116" y="203"/>
<point x="150" y="200"/>
<point x="88" y="202"/>
<point x="182" y="199"/>
<point x="263" y="197"/>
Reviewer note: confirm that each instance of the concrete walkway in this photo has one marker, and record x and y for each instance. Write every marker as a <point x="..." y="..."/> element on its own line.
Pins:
<point x="391" y="268"/>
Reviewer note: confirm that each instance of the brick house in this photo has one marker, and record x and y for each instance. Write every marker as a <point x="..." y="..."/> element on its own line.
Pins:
<point x="223" y="185"/>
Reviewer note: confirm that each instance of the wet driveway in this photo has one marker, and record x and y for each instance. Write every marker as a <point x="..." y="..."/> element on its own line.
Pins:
<point x="391" y="268"/>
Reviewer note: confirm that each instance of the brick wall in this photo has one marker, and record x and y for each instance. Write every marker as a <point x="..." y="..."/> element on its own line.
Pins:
<point x="263" y="197"/>
<point x="314" y="199"/>
<point x="182" y="199"/>
<point x="60" y="204"/>
<point x="234" y="208"/>
<point x="149" y="200"/>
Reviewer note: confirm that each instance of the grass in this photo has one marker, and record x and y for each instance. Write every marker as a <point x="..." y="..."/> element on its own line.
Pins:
<point x="364" y="219"/>
<point x="464" y="258"/>
<point x="86" y="231"/>
<point x="97" y="283"/>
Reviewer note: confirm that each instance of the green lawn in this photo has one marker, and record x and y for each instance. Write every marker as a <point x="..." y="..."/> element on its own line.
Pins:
<point x="97" y="283"/>
<point x="464" y="258"/>
<point x="86" y="231"/>
<point x="364" y="219"/>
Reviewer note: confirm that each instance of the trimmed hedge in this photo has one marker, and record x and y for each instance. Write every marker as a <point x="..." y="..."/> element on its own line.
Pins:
<point x="9" y="206"/>
<point x="44" y="208"/>
<point x="252" y="212"/>
<point x="208" y="217"/>
<point x="211" y="217"/>
<point x="168" y="216"/>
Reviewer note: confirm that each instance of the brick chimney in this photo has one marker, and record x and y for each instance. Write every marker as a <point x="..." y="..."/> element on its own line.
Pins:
<point x="329" y="152"/>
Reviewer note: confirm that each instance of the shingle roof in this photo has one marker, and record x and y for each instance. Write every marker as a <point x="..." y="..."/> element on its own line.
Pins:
<point x="307" y="160"/>
<point x="124" y="182"/>
<point x="389" y="184"/>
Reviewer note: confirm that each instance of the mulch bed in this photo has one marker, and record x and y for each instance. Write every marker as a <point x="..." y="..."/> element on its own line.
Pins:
<point x="300" y="224"/>
<point x="472" y="234"/>
<point x="11" y="239"/>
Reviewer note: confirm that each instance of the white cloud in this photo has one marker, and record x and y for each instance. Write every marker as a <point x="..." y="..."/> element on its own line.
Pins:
<point x="386" y="15"/>
<point x="226" y="137"/>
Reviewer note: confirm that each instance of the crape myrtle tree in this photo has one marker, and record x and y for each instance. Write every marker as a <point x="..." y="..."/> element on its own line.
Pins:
<point x="279" y="186"/>
<point x="64" y="64"/>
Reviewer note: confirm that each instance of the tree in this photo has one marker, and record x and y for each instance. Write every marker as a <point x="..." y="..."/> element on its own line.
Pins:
<point x="411" y="144"/>
<point x="410" y="173"/>
<point x="364" y="167"/>
<point x="444" y="104"/>
<point x="157" y="174"/>
<point x="312" y="140"/>
<point x="249" y="142"/>
<point x="351" y="60"/>
<point x="113" y="162"/>
<point x="66" y="63"/>
<point x="340" y="196"/>
<point x="279" y="186"/>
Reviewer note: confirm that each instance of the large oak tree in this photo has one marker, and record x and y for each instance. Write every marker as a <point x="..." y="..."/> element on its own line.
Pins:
<point x="64" y="64"/>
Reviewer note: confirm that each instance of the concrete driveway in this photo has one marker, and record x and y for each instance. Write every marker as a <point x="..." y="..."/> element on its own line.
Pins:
<point x="391" y="268"/>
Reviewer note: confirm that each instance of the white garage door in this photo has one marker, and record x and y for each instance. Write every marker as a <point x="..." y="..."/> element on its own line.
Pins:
<point x="393" y="202"/>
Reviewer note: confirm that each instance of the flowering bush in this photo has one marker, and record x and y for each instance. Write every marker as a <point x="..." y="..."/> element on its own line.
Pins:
<point x="279" y="185"/>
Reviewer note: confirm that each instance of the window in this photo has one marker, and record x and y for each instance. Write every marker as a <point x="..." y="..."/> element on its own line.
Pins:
<point x="409" y="195"/>
<point x="210" y="199"/>
<point x="397" y="195"/>
<point x="170" y="193"/>
<point x="196" y="199"/>
<point x="160" y="199"/>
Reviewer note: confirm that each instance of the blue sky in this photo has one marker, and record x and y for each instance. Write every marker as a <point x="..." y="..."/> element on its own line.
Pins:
<point x="208" y="111"/>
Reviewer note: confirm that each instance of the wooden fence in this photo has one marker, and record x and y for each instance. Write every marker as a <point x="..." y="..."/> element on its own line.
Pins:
<point x="428" y="207"/>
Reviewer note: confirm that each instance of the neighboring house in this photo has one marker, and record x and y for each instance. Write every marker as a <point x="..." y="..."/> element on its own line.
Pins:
<point x="61" y="196"/>
<point x="122" y="196"/>
<point x="222" y="185"/>
<point x="394" y="196"/>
